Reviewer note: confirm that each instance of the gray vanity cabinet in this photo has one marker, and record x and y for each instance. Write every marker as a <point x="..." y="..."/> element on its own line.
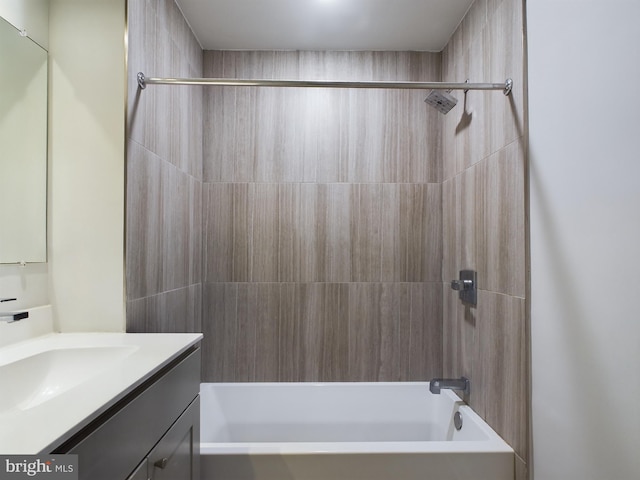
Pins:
<point x="153" y="433"/>
<point x="174" y="457"/>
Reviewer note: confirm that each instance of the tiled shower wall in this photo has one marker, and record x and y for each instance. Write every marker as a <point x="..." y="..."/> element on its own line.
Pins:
<point x="484" y="219"/>
<point x="323" y="228"/>
<point x="164" y="174"/>
<point x="314" y="234"/>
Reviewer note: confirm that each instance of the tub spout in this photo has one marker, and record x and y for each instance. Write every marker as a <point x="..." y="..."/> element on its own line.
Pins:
<point x="462" y="383"/>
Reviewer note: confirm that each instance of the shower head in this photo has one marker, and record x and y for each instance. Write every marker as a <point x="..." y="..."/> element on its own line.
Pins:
<point x="441" y="101"/>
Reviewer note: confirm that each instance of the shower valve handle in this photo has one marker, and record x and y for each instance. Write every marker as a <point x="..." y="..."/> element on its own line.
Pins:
<point x="461" y="285"/>
<point x="467" y="287"/>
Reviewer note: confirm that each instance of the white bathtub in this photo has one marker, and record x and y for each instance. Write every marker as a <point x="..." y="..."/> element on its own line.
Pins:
<point x="344" y="431"/>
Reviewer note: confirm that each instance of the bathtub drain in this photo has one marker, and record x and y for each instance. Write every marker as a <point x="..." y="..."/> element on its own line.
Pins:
<point x="457" y="420"/>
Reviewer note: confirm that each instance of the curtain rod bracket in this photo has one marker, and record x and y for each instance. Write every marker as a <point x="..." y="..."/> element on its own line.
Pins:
<point x="508" y="87"/>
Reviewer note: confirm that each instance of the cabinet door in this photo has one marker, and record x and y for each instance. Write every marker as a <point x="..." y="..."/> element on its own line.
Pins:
<point x="177" y="454"/>
<point x="140" y="473"/>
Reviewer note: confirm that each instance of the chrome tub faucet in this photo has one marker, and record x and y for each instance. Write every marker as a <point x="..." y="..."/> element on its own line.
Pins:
<point x="462" y="384"/>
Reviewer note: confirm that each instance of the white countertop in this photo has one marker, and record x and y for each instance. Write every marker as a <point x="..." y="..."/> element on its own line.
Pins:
<point x="131" y="358"/>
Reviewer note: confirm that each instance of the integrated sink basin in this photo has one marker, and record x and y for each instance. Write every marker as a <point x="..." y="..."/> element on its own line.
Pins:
<point x="53" y="385"/>
<point x="39" y="377"/>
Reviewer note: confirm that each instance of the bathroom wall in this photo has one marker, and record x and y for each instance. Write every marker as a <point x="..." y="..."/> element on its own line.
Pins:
<point x="164" y="174"/>
<point x="584" y="238"/>
<point x="484" y="197"/>
<point x="322" y="214"/>
<point x="86" y="164"/>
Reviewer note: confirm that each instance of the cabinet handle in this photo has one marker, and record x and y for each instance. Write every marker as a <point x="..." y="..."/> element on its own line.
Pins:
<point x="161" y="463"/>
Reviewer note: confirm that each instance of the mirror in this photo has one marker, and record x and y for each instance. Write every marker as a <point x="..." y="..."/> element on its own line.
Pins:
<point x="23" y="148"/>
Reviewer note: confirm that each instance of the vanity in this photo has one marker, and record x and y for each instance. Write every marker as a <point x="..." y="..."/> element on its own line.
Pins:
<point x="126" y="404"/>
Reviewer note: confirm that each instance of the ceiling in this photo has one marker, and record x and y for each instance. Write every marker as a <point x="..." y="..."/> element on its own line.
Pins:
<point x="418" y="25"/>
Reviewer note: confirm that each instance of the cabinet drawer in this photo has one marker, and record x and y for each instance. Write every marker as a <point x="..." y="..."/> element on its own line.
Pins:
<point x="114" y="446"/>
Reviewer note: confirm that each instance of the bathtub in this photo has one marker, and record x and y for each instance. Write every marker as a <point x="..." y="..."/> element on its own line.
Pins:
<point x="344" y="431"/>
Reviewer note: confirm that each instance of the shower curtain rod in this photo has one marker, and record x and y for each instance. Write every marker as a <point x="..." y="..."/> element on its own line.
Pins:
<point x="505" y="87"/>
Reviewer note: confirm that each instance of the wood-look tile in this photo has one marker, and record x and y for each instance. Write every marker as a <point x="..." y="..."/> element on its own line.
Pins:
<point x="412" y="233"/>
<point x="522" y="469"/>
<point x="175" y="311"/>
<point x="175" y="228"/>
<point x="426" y="331"/>
<point x="227" y="232"/>
<point x="395" y="332"/>
<point x="335" y="333"/>
<point x="500" y="213"/>
<point x="334" y="232"/>
<point x="504" y="58"/>
<point x="367" y="128"/>
<point x="503" y="361"/>
<point x="298" y="233"/>
<point x="450" y="222"/>
<point x="421" y="207"/>
<point x="246" y="338"/>
<point x="217" y="161"/>
<point x="195" y="231"/>
<point x="461" y="352"/>
<point x="141" y="41"/>
<point x="472" y="144"/>
<point x="136" y="316"/>
<point x="263" y="248"/>
<point x="366" y="234"/>
<point x="219" y="329"/>
<point x="290" y="344"/>
<point x="310" y="299"/>
<point x="144" y="244"/>
<point x="364" y="331"/>
<point x="265" y="312"/>
<point x="392" y="259"/>
<point x="245" y="115"/>
<point x="218" y="231"/>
